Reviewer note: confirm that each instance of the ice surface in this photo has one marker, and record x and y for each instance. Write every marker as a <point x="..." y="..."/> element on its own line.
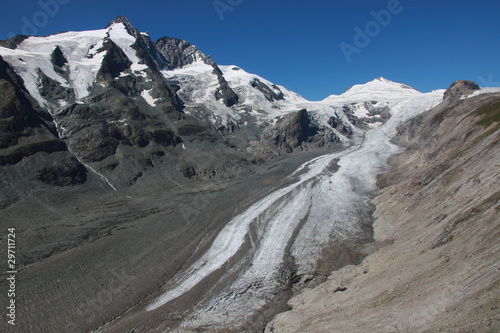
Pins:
<point x="324" y="204"/>
<point x="230" y="239"/>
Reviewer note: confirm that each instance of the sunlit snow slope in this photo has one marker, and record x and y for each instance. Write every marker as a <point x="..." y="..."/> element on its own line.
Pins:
<point x="259" y="100"/>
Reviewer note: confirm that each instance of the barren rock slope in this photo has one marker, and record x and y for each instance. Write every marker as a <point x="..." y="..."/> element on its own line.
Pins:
<point x="439" y="211"/>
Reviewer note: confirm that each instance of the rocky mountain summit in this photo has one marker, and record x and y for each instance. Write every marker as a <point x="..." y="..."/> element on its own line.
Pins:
<point x="154" y="189"/>
<point x="131" y="109"/>
<point x="460" y="89"/>
<point x="112" y="96"/>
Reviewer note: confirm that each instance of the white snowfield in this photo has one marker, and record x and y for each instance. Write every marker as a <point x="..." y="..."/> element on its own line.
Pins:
<point x="320" y="207"/>
<point x="378" y="89"/>
<point x="33" y="54"/>
<point x="198" y="86"/>
<point x="81" y="50"/>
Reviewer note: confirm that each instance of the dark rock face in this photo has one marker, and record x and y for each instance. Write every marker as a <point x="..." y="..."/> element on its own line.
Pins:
<point x="295" y="129"/>
<point x="179" y="53"/>
<point x="70" y="172"/>
<point x="375" y="114"/>
<point x="52" y="90"/>
<point x="25" y="136"/>
<point x="294" y="132"/>
<point x="96" y="130"/>
<point x="13" y="42"/>
<point x="460" y="88"/>
<point x="268" y="92"/>
<point x="57" y="58"/>
<point x="341" y="127"/>
<point x="224" y="92"/>
<point x="114" y="62"/>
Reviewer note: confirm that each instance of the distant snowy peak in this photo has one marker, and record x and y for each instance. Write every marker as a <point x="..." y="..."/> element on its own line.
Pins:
<point x="384" y="80"/>
<point x="375" y="90"/>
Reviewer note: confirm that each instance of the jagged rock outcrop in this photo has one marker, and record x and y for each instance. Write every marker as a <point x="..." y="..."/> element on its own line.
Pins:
<point x="374" y="113"/>
<point x="294" y="132"/>
<point x="179" y="53"/>
<point x="115" y="61"/>
<point x="342" y="128"/>
<point x="13" y="42"/>
<point x="144" y="47"/>
<point x="461" y="88"/>
<point x="58" y="59"/>
<point x="268" y="93"/>
<point x="52" y="89"/>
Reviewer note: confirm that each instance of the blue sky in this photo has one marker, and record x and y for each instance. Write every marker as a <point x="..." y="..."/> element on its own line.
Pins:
<point x="313" y="47"/>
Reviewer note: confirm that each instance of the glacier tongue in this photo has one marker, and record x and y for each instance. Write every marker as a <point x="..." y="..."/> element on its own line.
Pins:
<point x="300" y="220"/>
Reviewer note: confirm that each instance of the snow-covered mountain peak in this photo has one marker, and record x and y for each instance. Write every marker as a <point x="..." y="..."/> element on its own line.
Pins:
<point x="375" y="90"/>
<point x="82" y="54"/>
<point x="402" y="85"/>
<point x="123" y="20"/>
<point x="72" y="67"/>
<point x="121" y="36"/>
<point x="113" y="92"/>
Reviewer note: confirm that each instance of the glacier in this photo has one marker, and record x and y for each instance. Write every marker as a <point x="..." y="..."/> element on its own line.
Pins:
<point x="320" y="206"/>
